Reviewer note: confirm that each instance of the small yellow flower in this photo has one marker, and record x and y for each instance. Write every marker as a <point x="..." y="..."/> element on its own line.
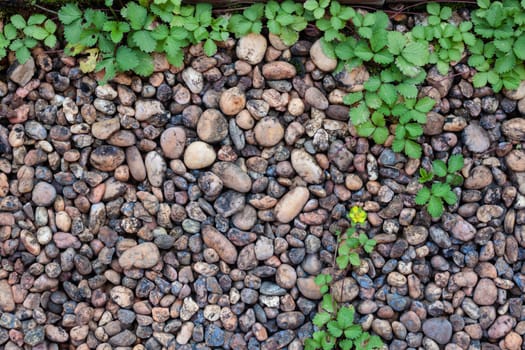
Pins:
<point x="357" y="215"/>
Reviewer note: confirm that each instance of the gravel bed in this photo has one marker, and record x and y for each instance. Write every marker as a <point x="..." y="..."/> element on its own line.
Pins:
<point x="192" y="209"/>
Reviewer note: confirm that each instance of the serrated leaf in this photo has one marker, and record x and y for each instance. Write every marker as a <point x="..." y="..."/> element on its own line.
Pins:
<point x="366" y="129"/>
<point x="135" y="14"/>
<point x="416" y="53"/>
<point x="328" y="302"/>
<point x="321" y="318"/>
<point x="450" y="198"/>
<point x="50" y="41"/>
<point x="414" y="130"/>
<point x="407" y="90"/>
<point x="352" y="98"/>
<point x="396" y="42"/>
<point x="388" y="93"/>
<point x="354" y="259"/>
<point x="425" y="104"/>
<point x="345" y="317"/>
<point x="342" y="261"/>
<point x="89" y="63"/>
<point x="439" y="167"/>
<point x="210" y="48"/>
<point x="363" y="51"/>
<point x="126" y="58"/>
<point x="50" y="26"/>
<point x="359" y="114"/>
<point x="440" y="189"/>
<point x="455" y="163"/>
<point x="36" y="19"/>
<point x="36" y="32"/>
<point x="18" y="21"/>
<point x="144" y="40"/>
<point x="519" y="47"/>
<point x="383" y="57"/>
<point x="373" y="100"/>
<point x="412" y="149"/>
<point x="334" y="329"/>
<point x="435" y="207"/>
<point x="145" y="65"/>
<point x="346" y="344"/>
<point x="380" y="135"/>
<point x="480" y="79"/>
<point x="505" y="63"/>
<point x="353" y="331"/>
<point x="422" y="197"/>
<point x="407" y="68"/>
<point x="22" y="54"/>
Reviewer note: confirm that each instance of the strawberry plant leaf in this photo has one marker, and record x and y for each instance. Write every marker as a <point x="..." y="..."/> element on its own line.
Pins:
<point x="439" y="167"/>
<point x="455" y="163"/>
<point x="435" y="207"/>
<point x="126" y="58"/>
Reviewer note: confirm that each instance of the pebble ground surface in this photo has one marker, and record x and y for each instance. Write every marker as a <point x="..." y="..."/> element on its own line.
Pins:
<point x="192" y="209"/>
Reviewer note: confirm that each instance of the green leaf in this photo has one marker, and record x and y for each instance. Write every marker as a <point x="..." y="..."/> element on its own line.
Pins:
<point x="416" y="53"/>
<point x="346" y="344"/>
<point x="36" y="32"/>
<point x="407" y="90"/>
<point x="311" y="5"/>
<point x="359" y="114"/>
<point x="50" y="41"/>
<point x="333" y="329"/>
<point x="439" y="167"/>
<point x="374" y="343"/>
<point x="145" y="67"/>
<point x="396" y="42"/>
<point x="136" y="15"/>
<point x="412" y="149"/>
<point x="345" y="317"/>
<point x="450" y="197"/>
<point x="407" y="68"/>
<point x="519" y="47"/>
<point x="433" y="8"/>
<point x="321" y="318"/>
<point x="414" y="130"/>
<point x="9" y="31"/>
<point x="363" y="51"/>
<point x="22" y="54"/>
<point x="354" y="259"/>
<point x="425" y="104"/>
<point x="435" y="207"/>
<point x="480" y="79"/>
<point x="18" y="21"/>
<point x="126" y="58"/>
<point x="69" y="13"/>
<point x="144" y="40"/>
<point x="36" y="19"/>
<point x="271" y="9"/>
<point x="505" y="63"/>
<point x="372" y="84"/>
<point x="383" y="57"/>
<point x="50" y="26"/>
<point x="440" y="189"/>
<point x="353" y="332"/>
<point x="210" y="48"/>
<point x="455" y="163"/>
<point x="369" y="246"/>
<point x="366" y="129"/>
<point x="352" y="98"/>
<point x="388" y="93"/>
<point x="342" y="261"/>
<point x="380" y="135"/>
<point x="328" y="302"/>
<point x="423" y="195"/>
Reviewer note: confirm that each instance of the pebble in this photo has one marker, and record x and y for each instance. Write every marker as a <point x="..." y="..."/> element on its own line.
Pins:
<point x="199" y="155"/>
<point x="268" y="132"/>
<point x="476" y="138"/>
<point x="141" y="256"/>
<point x="438" y="329"/>
<point x="251" y="48"/>
<point x="320" y="59"/>
<point x="291" y="204"/>
<point x="172" y="142"/>
<point x="212" y="126"/>
<point x="107" y="158"/>
<point x="44" y="194"/>
<point x="218" y="242"/>
<point x="306" y="167"/>
<point x="145" y="109"/>
<point x="232" y="176"/>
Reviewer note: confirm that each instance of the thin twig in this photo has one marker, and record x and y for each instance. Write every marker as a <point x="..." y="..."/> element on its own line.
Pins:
<point x="45" y="9"/>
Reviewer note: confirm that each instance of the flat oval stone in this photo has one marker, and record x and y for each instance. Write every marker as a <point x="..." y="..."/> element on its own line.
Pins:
<point x="218" y="242"/>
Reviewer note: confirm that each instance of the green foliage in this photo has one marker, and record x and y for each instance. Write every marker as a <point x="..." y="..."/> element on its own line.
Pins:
<point x="250" y="21"/>
<point x="441" y="177"/>
<point x="285" y="19"/>
<point x="21" y="36"/>
<point x="448" y="39"/>
<point x="336" y="327"/>
<point x="498" y="53"/>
